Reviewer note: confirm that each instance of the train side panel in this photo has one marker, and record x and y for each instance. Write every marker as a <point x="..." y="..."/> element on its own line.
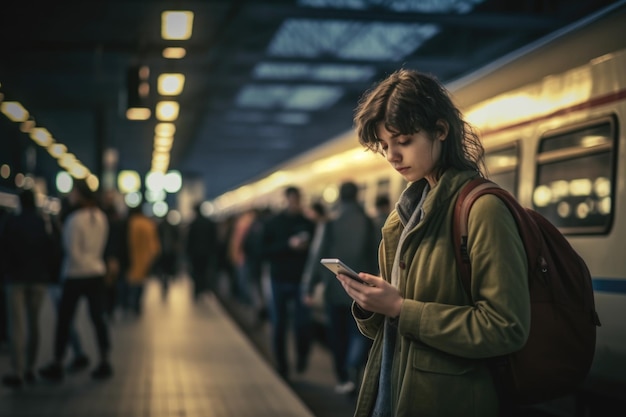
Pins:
<point x="571" y="146"/>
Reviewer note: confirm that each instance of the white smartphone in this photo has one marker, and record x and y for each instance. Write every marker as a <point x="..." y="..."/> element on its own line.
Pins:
<point x="338" y="267"/>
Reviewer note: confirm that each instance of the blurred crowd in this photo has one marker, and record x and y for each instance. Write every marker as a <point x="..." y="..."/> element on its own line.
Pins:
<point x="267" y="261"/>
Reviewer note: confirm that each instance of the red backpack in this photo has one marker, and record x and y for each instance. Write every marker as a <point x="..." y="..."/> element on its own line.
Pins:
<point x="560" y="347"/>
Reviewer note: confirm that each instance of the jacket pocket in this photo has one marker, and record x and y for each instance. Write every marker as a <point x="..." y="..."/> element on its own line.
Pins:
<point x="430" y="360"/>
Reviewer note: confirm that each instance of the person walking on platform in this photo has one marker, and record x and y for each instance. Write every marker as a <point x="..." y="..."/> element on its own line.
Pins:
<point x="85" y="234"/>
<point x="312" y="287"/>
<point x="115" y="252"/>
<point x="237" y="256"/>
<point x="253" y="252"/>
<point x="144" y="247"/>
<point x="201" y="249"/>
<point x="80" y="360"/>
<point x="286" y="240"/>
<point x="429" y="337"/>
<point x="352" y="237"/>
<point x="167" y="263"/>
<point x="26" y="247"/>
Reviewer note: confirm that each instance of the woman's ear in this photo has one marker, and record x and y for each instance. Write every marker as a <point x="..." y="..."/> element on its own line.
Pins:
<point x="442" y="129"/>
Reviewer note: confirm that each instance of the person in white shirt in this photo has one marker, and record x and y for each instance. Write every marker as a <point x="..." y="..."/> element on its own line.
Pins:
<point x="85" y="234"/>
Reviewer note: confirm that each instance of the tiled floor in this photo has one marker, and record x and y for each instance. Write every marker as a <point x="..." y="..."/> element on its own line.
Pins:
<point x="177" y="360"/>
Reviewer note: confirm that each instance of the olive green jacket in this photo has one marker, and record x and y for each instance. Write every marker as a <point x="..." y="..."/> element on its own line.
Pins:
<point x="442" y="336"/>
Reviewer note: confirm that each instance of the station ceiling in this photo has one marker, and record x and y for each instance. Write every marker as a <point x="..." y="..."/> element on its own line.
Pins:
<point x="265" y="80"/>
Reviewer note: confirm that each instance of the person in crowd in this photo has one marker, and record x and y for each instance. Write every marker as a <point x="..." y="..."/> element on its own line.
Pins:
<point x="84" y="236"/>
<point x="312" y="288"/>
<point x="253" y="252"/>
<point x="382" y="205"/>
<point x="144" y="247"/>
<point x="167" y="264"/>
<point x="26" y="246"/>
<point x="286" y="241"/>
<point x="237" y="255"/>
<point x="352" y="237"/>
<point x="80" y="361"/>
<point x="201" y="250"/>
<point x="114" y="254"/>
<point x="429" y="338"/>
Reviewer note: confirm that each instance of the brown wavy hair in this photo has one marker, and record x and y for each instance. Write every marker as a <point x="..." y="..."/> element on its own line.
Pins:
<point x="408" y="101"/>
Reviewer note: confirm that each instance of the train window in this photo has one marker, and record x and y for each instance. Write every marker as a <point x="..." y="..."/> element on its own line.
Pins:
<point x="574" y="185"/>
<point x="503" y="167"/>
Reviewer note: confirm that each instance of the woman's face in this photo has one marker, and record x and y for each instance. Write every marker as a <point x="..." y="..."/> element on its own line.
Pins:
<point x="413" y="156"/>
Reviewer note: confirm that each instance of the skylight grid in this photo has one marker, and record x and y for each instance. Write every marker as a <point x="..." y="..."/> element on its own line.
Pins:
<point x="345" y="73"/>
<point x="349" y="40"/>
<point x="262" y="96"/>
<point x="383" y="41"/>
<point x="292" y="118"/>
<point x="246" y="117"/>
<point x="275" y="70"/>
<point x="302" y="98"/>
<point x="315" y="72"/>
<point x="313" y="97"/>
<point x="420" y="6"/>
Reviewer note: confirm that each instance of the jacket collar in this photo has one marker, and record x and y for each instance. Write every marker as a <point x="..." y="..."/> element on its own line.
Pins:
<point x="446" y="188"/>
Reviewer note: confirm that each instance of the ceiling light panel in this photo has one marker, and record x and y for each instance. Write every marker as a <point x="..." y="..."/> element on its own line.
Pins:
<point x="349" y="40"/>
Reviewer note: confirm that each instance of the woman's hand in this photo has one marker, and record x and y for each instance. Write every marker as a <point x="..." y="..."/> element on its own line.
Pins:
<point x="376" y="295"/>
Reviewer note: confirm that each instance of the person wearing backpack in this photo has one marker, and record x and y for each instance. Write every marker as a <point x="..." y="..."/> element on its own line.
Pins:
<point x="430" y="339"/>
<point x="351" y="236"/>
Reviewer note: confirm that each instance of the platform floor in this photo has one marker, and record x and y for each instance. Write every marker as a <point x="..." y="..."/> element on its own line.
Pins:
<point x="185" y="359"/>
<point x="179" y="359"/>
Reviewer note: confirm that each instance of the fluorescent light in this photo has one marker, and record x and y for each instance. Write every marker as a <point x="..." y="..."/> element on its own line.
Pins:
<point x="163" y="143"/>
<point x="170" y="84"/>
<point x="174" y="53"/>
<point x="165" y="129"/>
<point x="78" y="170"/>
<point x="138" y="113"/>
<point x="176" y="25"/>
<point x="173" y="182"/>
<point x="57" y="150"/>
<point x="93" y="182"/>
<point x="160" y="156"/>
<point x="128" y="181"/>
<point x="41" y="136"/>
<point x="14" y="111"/>
<point x="167" y="111"/>
<point x="67" y="160"/>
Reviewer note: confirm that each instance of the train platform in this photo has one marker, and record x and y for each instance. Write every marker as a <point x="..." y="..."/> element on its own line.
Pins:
<point x="178" y="359"/>
<point x="183" y="359"/>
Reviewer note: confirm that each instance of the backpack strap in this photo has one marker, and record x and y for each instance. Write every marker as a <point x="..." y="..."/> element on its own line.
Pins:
<point x="467" y="196"/>
<point x="530" y="233"/>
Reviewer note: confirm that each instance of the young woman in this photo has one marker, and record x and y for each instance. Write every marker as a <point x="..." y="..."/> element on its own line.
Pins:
<point x="429" y="337"/>
<point x="85" y="234"/>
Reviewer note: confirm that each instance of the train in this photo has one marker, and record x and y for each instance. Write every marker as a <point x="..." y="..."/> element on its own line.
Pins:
<point x="552" y="120"/>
